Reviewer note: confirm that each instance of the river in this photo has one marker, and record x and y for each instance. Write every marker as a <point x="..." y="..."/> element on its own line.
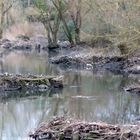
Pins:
<point x="86" y="95"/>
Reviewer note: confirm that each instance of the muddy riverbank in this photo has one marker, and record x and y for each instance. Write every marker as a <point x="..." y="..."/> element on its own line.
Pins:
<point x="85" y="59"/>
<point x="10" y="82"/>
<point x="22" y="42"/>
<point x="95" y="58"/>
<point x="101" y="55"/>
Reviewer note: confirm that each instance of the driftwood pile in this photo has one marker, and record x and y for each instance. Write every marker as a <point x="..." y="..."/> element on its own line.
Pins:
<point x="29" y="82"/>
<point x="69" y="129"/>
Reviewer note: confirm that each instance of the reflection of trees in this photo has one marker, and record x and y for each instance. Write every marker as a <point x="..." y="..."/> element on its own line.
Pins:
<point x="75" y="106"/>
<point x="26" y="63"/>
<point x="137" y="106"/>
<point x="2" y="66"/>
<point x="124" y="82"/>
<point x="20" y="115"/>
<point x="2" y="120"/>
<point x="111" y="105"/>
<point x="130" y="107"/>
<point x="78" y="81"/>
<point x="121" y="110"/>
<point x="43" y="111"/>
<point x="126" y="105"/>
<point x="51" y="69"/>
<point x="56" y="107"/>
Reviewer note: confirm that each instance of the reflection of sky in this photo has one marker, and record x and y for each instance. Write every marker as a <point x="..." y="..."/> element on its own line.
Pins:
<point x="89" y="97"/>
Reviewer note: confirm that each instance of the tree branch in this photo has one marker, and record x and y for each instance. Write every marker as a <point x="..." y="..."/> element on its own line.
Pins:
<point x="5" y="11"/>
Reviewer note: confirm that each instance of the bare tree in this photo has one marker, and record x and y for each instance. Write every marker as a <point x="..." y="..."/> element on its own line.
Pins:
<point x="49" y="17"/>
<point x="70" y="11"/>
<point x="59" y="5"/>
<point x="75" y="13"/>
<point x="5" y="6"/>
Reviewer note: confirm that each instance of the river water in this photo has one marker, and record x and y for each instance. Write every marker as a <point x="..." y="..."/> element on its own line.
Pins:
<point x="86" y="95"/>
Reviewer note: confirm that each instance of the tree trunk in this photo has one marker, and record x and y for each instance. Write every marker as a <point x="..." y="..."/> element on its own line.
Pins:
<point x="29" y="3"/>
<point x="48" y="33"/>
<point x="54" y="38"/>
<point x="78" y="22"/>
<point x="66" y="28"/>
<point x="1" y="19"/>
<point x="55" y="29"/>
<point x="77" y="35"/>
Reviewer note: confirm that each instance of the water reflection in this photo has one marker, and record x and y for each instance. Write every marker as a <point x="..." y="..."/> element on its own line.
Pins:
<point x="86" y="96"/>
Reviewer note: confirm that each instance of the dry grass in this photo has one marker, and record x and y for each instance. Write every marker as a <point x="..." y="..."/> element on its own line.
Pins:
<point x="118" y="21"/>
<point x="25" y="28"/>
<point x="19" y="24"/>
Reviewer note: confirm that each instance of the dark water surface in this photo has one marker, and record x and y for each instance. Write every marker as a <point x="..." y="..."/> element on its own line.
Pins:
<point x="87" y="96"/>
